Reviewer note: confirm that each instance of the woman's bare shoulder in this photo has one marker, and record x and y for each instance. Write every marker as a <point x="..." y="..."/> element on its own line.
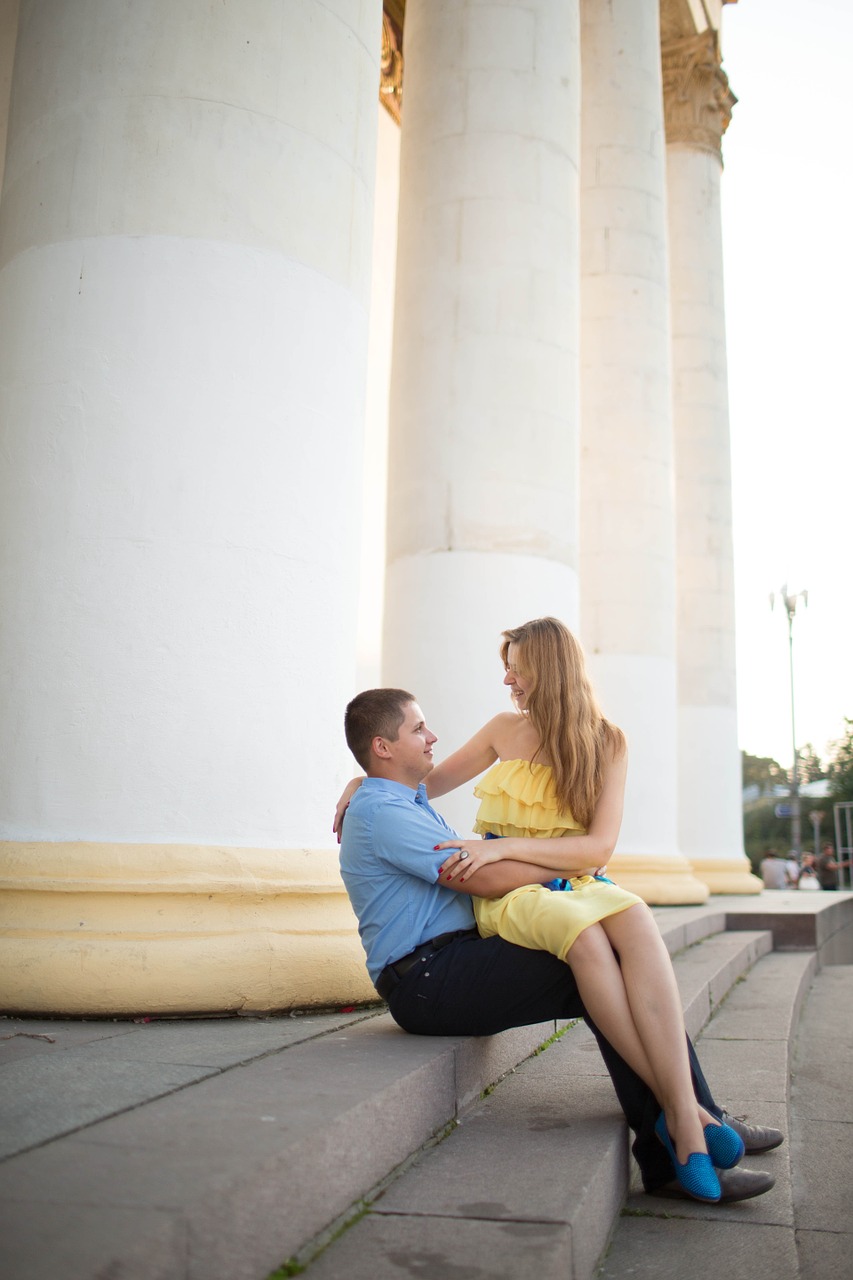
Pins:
<point x="616" y="744"/>
<point x="506" y="721"/>
<point x="509" y="731"/>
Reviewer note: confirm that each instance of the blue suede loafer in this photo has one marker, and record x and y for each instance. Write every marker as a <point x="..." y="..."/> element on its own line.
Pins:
<point x="725" y="1147"/>
<point x="697" y="1177"/>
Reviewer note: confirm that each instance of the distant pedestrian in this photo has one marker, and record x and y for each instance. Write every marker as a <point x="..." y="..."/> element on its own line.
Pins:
<point x="827" y="867"/>
<point x="808" y="876"/>
<point x="773" y="871"/>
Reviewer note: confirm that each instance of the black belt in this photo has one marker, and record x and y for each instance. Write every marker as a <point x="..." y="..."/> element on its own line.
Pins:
<point x="394" y="973"/>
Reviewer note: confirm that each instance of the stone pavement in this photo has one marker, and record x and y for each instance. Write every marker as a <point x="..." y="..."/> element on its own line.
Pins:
<point x="216" y="1148"/>
<point x="803" y="1228"/>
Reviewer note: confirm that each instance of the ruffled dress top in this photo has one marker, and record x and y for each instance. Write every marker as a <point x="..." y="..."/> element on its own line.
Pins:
<point x="518" y="798"/>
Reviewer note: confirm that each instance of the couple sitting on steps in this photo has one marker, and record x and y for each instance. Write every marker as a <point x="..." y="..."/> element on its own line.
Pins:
<point x="472" y="936"/>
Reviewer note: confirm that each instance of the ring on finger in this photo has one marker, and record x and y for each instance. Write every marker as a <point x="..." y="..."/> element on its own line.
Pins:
<point x="463" y="855"/>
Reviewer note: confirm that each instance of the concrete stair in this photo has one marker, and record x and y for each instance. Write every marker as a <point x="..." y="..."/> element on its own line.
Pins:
<point x="778" y="1048"/>
<point x="533" y="1181"/>
<point x="222" y="1148"/>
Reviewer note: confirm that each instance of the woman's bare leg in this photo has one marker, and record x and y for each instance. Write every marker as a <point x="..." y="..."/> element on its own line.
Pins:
<point x="602" y="989"/>
<point x="655" y="1003"/>
<point x="641" y="1017"/>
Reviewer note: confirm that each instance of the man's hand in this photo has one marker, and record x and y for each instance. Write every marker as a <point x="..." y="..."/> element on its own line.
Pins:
<point x="343" y="804"/>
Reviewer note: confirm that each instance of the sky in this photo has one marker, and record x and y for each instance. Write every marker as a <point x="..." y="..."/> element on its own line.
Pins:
<point x="789" y="290"/>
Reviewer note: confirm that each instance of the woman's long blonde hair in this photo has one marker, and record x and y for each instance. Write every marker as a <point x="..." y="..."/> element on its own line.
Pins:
<point x="574" y="736"/>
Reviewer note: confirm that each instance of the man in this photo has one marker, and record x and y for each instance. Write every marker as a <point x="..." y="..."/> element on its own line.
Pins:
<point x="424" y="954"/>
<point x="773" y="871"/>
<point x="827" y="867"/>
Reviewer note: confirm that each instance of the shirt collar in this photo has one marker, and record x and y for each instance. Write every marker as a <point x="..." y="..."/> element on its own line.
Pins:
<point x="418" y="796"/>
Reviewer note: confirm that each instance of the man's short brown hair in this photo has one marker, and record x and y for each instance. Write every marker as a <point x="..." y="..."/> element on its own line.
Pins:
<point x="374" y="713"/>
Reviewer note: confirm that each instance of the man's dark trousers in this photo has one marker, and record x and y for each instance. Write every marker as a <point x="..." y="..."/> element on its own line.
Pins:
<point x="480" y="986"/>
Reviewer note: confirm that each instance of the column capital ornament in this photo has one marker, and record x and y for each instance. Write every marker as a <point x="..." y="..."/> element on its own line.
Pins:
<point x="696" y="95"/>
<point x="391" y="68"/>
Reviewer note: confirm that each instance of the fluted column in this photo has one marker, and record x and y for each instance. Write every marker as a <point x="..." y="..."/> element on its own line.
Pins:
<point x="8" y="34"/>
<point x="185" y="233"/>
<point x="627" y="514"/>
<point x="482" y="498"/>
<point x="698" y="105"/>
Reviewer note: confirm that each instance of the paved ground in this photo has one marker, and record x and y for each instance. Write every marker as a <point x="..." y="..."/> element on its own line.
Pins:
<point x="150" y="1108"/>
<point x="803" y="1229"/>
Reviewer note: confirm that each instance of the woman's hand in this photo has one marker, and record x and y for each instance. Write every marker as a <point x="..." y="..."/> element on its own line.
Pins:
<point x="468" y="857"/>
<point x="343" y="804"/>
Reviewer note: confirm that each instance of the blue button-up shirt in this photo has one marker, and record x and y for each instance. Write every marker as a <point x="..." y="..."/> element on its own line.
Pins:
<point x="390" y="868"/>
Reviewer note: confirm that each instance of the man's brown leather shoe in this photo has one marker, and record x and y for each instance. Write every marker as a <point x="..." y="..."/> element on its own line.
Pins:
<point x="735" y="1184"/>
<point x="756" y="1137"/>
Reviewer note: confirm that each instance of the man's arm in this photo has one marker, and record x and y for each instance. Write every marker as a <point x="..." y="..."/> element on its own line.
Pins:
<point x="405" y="836"/>
<point x="498" y="878"/>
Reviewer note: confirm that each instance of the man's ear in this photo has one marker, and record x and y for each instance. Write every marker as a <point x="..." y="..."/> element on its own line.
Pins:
<point x="379" y="747"/>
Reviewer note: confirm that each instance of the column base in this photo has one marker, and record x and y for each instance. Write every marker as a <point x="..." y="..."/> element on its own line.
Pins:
<point x="103" y="930"/>
<point x="727" y="875"/>
<point x="661" y="882"/>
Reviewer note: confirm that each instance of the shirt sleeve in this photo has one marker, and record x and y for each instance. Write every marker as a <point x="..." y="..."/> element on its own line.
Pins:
<point x="404" y="837"/>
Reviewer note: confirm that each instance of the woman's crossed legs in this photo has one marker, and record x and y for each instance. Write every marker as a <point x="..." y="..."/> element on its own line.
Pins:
<point x="625" y="978"/>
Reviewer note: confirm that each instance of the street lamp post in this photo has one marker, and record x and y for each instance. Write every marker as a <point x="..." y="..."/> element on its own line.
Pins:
<point x="789" y="600"/>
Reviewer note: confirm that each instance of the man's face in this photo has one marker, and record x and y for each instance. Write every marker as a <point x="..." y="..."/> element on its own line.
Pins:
<point x="410" y="756"/>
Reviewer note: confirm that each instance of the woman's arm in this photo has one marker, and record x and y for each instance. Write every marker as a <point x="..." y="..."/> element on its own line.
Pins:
<point x="500" y="879"/>
<point x="343" y="804"/>
<point x="468" y="762"/>
<point x="564" y="855"/>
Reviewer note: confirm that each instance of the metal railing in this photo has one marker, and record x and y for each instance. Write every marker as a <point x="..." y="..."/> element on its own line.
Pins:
<point x="843" y="811"/>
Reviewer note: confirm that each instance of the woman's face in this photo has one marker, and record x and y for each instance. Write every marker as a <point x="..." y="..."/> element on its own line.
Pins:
<point x="520" y="686"/>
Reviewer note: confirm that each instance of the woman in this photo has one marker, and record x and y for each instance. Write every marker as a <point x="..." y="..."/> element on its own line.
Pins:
<point x="555" y="796"/>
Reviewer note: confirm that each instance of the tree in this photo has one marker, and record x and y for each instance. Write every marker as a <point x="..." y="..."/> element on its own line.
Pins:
<point x="811" y="768"/>
<point x="840" y="771"/>
<point x="762" y="830"/>
<point x="762" y="772"/>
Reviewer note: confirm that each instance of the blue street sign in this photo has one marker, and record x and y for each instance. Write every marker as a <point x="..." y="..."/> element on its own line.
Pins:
<point x="783" y="811"/>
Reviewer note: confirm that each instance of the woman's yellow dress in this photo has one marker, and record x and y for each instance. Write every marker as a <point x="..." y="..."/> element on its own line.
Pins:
<point x="518" y="798"/>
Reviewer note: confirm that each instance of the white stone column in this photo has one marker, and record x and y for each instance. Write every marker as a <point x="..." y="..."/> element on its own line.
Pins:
<point x="482" y="505"/>
<point x="698" y="105"/>
<point x="8" y="36"/>
<point x="185" y="235"/>
<point x="627" y="515"/>
<point x="375" y="467"/>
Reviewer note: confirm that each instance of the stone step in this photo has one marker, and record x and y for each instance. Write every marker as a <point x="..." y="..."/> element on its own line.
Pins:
<point x="235" y="1160"/>
<point x="777" y="1027"/>
<point x="534" y="1179"/>
<point x="706" y="973"/>
<point x="821" y="1112"/>
<point x="230" y="1172"/>
<point x="528" y="1184"/>
<point x="536" y="1174"/>
<point x="821" y="922"/>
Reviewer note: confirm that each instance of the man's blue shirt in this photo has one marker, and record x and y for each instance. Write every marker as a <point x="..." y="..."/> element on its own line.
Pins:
<point x="390" y="868"/>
